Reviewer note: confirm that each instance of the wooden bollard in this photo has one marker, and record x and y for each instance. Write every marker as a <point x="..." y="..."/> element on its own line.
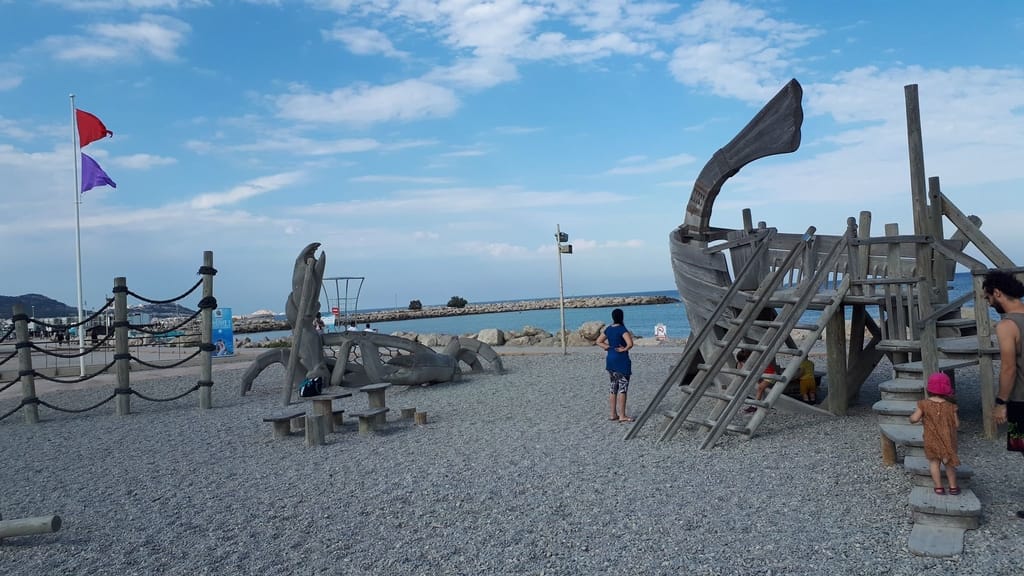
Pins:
<point x="408" y="413"/>
<point x="421" y="418"/>
<point x="316" y="429"/>
<point x="28" y="526"/>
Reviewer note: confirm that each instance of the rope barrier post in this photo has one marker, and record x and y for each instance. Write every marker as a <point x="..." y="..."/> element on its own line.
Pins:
<point x="28" y="381"/>
<point x="122" y="356"/>
<point x="206" y="326"/>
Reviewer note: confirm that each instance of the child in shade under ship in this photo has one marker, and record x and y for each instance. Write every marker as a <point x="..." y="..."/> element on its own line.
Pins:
<point x="939" y="413"/>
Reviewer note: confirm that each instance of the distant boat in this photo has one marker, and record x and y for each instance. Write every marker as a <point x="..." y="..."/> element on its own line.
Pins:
<point x="264" y="313"/>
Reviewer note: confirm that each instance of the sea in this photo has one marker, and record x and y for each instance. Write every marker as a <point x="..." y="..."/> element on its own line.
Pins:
<point x="641" y="319"/>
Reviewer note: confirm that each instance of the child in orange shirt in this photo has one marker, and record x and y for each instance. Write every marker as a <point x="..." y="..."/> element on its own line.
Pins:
<point x="939" y="413"/>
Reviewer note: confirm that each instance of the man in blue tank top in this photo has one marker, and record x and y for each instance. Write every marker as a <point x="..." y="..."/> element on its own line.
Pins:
<point x="617" y="341"/>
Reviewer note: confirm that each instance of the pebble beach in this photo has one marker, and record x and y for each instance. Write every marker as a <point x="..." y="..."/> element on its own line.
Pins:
<point x="515" y="473"/>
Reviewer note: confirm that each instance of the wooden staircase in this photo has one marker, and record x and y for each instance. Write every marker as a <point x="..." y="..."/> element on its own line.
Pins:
<point x="939" y="520"/>
<point x="763" y="327"/>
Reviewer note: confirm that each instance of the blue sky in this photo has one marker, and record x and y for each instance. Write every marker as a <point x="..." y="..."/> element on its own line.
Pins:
<point x="433" y="147"/>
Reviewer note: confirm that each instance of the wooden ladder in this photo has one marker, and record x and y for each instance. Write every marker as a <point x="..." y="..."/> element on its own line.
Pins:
<point x="773" y="339"/>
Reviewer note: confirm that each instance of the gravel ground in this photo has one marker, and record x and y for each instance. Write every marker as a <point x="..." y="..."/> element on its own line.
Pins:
<point x="518" y="473"/>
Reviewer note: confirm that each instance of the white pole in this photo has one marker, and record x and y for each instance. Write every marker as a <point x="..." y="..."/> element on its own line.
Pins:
<point x="78" y="238"/>
<point x="561" y="292"/>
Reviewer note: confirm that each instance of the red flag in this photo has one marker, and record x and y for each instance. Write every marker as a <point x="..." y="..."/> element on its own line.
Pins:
<point x="90" y="128"/>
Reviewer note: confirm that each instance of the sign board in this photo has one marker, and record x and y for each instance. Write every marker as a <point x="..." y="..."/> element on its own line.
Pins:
<point x="223" y="333"/>
<point x="335" y="310"/>
<point x="660" y="332"/>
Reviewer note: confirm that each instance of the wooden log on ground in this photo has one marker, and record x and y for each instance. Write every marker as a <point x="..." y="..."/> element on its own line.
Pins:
<point x="421" y="418"/>
<point x="29" y="526"/>
<point x="408" y="413"/>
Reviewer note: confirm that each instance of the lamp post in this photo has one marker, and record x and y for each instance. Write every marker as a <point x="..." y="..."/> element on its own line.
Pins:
<point x="560" y="239"/>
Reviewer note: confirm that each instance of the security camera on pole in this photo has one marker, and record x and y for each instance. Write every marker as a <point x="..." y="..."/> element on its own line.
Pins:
<point x="560" y="238"/>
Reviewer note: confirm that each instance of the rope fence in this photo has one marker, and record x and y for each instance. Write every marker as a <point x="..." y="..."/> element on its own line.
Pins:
<point x="25" y="350"/>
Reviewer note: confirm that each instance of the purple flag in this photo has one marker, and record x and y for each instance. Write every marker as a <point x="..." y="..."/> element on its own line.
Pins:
<point x="93" y="175"/>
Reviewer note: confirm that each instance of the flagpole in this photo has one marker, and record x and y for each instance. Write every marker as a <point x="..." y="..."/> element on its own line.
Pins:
<point x="78" y="238"/>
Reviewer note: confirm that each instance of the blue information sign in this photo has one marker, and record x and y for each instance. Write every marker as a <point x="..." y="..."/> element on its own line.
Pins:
<point x="223" y="332"/>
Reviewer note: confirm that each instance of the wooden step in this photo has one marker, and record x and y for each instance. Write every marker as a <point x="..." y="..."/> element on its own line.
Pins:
<point x="899" y="345"/>
<point x="902" y="389"/>
<point x="895" y="407"/>
<point x="904" y="434"/>
<point x="916" y="367"/>
<point x="956" y="322"/>
<point x="920" y="474"/>
<point x="935" y="541"/>
<point x="966" y="346"/>
<point x="961" y="511"/>
<point x="894" y="411"/>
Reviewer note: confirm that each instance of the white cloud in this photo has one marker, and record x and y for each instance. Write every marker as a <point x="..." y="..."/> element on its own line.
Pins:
<point x="255" y="187"/>
<point x="363" y="41"/>
<point x="735" y="50"/>
<point x="155" y="36"/>
<point x="497" y="250"/>
<point x="517" y="130"/>
<point x="466" y="200"/>
<point x="11" y="129"/>
<point x="394" y="179"/>
<point x="142" y="161"/>
<point x="364" y="104"/>
<point x="641" y="164"/>
<point x="9" y="80"/>
<point x="114" y="5"/>
<point x="475" y="72"/>
<point x="552" y="45"/>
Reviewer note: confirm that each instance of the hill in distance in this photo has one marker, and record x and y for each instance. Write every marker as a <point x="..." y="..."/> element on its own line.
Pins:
<point x="41" y="306"/>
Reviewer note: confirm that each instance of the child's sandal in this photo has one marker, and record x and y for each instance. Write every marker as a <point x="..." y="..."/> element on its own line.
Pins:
<point x="940" y="491"/>
<point x="954" y="491"/>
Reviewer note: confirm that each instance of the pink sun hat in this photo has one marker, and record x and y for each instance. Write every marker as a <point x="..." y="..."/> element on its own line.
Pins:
<point x="939" y="385"/>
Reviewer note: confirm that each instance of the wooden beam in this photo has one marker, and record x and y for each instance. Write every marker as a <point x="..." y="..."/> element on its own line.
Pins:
<point x="985" y="369"/>
<point x="835" y="346"/>
<point x="918" y="194"/>
<point x="935" y="231"/>
<point x="974" y="234"/>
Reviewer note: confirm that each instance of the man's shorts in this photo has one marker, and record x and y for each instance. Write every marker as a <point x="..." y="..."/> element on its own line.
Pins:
<point x="1015" y="427"/>
<point x="619" y="382"/>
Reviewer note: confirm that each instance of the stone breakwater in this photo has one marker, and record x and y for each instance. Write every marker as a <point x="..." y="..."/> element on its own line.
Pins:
<point x="586" y="335"/>
<point x="250" y="325"/>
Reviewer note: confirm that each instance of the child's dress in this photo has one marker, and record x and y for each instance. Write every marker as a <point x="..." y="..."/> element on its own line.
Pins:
<point x="940" y="431"/>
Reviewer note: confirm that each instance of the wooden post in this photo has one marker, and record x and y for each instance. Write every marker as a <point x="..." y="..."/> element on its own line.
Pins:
<point x="29" y="526"/>
<point x="28" y="380"/>
<point x="315" y="429"/>
<point x="421" y="418"/>
<point x="915" y="144"/>
<point x="985" y="369"/>
<point x="888" y="450"/>
<point x="939" y="279"/>
<point x="748" y="220"/>
<point x="835" y="346"/>
<point x="122" y="355"/>
<point x="929" y="351"/>
<point x="408" y="413"/>
<point x="206" y="336"/>
<point x="894" y="305"/>
<point x="857" y="267"/>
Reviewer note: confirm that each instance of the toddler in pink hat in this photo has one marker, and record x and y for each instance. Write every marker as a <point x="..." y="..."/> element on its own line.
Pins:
<point x="939" y="414"/>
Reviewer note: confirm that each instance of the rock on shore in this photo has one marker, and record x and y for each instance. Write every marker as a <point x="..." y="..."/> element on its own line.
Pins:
<point x="585" y="335"/>
<point x="250" y="325"/>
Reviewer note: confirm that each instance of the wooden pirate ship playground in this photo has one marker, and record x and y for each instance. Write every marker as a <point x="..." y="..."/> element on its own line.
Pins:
<point x="892" y="286"/>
